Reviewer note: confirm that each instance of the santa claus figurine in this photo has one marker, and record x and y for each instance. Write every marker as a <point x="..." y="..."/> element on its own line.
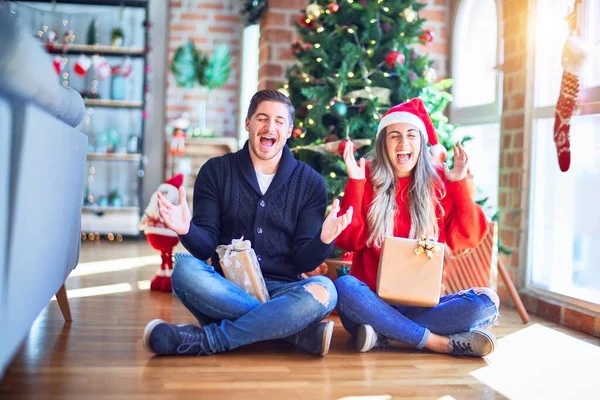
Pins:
<point x="158" y="235"/>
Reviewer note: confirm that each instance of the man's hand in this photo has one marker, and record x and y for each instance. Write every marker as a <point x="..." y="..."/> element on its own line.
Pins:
<point x="175" y="217"/>
<point x="461" y="165"/>
<point x="334" y="225"/>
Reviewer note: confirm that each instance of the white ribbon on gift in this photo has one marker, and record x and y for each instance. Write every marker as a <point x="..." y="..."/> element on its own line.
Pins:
<point x="224" y="250"/>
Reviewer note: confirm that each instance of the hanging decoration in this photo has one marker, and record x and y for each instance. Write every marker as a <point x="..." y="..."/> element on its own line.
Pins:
<point x="575" y="54"/>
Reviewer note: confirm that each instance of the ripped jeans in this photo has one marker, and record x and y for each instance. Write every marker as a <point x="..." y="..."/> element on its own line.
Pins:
<point x="455" y="313"/>
<point x="232" y="318"/>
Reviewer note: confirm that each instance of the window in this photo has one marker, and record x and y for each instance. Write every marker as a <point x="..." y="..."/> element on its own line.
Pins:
<point x="564" y="219"/>
<point x="476" y="52"/>
<point x="475" y="108"/>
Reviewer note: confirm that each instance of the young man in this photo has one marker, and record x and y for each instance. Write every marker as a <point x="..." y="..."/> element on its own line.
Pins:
<point x="263" y="194"/>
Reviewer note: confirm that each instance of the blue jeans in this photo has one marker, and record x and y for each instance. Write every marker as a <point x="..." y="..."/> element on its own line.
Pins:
<point x="232" y="318"/>
<point x="455" y="313"/>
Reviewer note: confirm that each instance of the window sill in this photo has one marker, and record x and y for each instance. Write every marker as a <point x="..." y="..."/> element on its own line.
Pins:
<point x="574" y="313"/>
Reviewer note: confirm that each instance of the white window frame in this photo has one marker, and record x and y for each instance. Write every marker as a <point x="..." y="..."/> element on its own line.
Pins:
<point x="484" y="113"/>
<point x="588" y="104"/>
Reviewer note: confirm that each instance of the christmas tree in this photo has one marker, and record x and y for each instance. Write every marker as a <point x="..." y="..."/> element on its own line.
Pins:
<point x="357" y="59"/>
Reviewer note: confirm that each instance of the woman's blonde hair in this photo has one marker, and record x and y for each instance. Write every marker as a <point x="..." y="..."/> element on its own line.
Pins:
<point x="422" y="199"/>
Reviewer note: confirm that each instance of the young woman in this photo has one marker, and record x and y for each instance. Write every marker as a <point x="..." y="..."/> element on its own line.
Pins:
<point x="402" y="193"/>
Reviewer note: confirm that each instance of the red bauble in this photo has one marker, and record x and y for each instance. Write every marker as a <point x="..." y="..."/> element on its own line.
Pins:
<point x="394" y="57"/>
<point x="296" y="133"/>
<point x="427" y="36"/>
<point x="343" y="144"/>
<point x="305" y="21"/>
<point x="333" y="7"/>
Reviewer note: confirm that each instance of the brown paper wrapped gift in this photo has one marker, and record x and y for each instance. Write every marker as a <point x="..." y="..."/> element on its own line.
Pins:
<point x="410" y="272"/>
<point x="241" y="267"/>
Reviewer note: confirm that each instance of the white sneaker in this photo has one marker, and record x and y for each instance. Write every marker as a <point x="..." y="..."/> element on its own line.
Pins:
<point x="367" y="338"/>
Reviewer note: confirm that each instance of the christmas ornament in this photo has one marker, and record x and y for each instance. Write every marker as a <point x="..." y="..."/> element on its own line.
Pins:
<point x="386" y="26"/>
<point x="57" y="63"/>
<point x="339" y="109"/>
<point x="297" y="47"/>
<point x="381" y="94"/>
<point x="158" y="235"/>
<point x="313" y="11"/>
<point x="333" y="7"/>
<point x="305" y="22"/>
<point x="426" y="36"/>
<point x="343" y="144"/>
<point x="52" y="36"/>
<point x="101" y="67"/>
<point x="296" y="133"/>
<point x="409" y="14"/>
<point x="574" y="56"/>
<point x="180" y="128"/>
<point x="284" y="91"/>
<point x="429" y="74"/>
<point x="302" y="112"/>
<point x="331" y="138"/>
<point x="394" y="57"/>
<point x="332" y="147"/>
<point x="82" y="65"/>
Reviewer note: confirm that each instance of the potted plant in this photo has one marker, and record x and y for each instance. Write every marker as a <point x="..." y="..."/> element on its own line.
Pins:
<point x="192" y="68"/>
<point x="116" y="37"/>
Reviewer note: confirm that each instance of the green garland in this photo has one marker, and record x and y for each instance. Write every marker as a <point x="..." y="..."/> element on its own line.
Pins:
<point x="252" y="11"/>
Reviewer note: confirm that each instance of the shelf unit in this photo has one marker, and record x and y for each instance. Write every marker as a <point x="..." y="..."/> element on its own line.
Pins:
<point x="113" y="103"/>
<point x="115" y="177"/>
<point x="90" y="50"/>
<point x="133" y="157"/>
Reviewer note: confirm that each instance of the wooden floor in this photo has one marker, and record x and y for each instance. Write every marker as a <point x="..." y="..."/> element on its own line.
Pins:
<point x="100" y="355"/>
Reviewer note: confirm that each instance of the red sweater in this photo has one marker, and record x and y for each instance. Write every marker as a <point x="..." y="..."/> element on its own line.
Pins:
<point x="462" y="224"/>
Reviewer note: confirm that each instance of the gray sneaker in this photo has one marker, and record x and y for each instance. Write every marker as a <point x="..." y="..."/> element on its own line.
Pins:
<point x="316" y="338"/>
<point x="477" y="343"/>
<point x="367" y="338"/>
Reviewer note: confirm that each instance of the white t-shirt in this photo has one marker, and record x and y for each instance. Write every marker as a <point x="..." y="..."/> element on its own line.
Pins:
<point x="264" y="181"/>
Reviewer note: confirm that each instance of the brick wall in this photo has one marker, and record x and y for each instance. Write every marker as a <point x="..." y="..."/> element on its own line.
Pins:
<point x="512" y="186"/>
<point x="278" y="32"/>
<point x="207" y="23"/>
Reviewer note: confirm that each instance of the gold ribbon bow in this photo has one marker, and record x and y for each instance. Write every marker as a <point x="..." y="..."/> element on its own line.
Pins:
<point x="427" y="246"/>
<point x="225" y="250"/>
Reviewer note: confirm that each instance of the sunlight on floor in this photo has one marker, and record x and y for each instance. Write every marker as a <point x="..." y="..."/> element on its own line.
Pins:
<point x="106" y="289"/>
<point x="121" y="264"/>
<point x="539" y="362"/>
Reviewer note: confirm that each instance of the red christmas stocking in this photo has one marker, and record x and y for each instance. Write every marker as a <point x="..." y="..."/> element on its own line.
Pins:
<point x="569" y="89"/>
<point x="574" y="55"/>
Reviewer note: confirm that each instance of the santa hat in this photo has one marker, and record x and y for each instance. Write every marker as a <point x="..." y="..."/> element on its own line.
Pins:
<point x="413" y="112"/>
<point x="176" y="181"/>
